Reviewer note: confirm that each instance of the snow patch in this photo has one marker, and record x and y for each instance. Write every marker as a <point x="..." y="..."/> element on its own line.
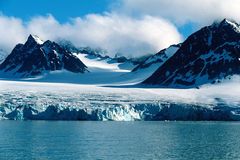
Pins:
<point x="37" y="39"/>
<point x="99" y="64"/>
<point x="235" y="26"/>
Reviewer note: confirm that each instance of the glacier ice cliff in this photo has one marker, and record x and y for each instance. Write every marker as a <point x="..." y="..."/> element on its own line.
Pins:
<point x="57" y="101"/>
<point x="121" y="112"/>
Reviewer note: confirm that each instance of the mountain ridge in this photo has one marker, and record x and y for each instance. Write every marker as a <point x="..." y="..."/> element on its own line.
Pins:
<point x="35" y="57"/>
<point x="207" y="56"/>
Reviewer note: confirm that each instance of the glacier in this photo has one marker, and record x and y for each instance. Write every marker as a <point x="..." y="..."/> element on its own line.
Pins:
<point x="119" y="112"/>
<point x="21" y="100"/>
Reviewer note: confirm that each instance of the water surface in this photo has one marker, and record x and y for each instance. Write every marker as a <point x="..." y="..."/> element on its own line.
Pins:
<point x="119" y="140"/>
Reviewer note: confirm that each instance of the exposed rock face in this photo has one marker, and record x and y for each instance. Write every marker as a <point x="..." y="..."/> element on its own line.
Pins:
<point x="36" y="57"/>
<point x="207" y="56"/>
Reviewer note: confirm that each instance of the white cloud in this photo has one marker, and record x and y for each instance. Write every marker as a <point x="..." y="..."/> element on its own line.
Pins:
<point x="12" y="32"/>
<point x="184" y="11"/>
<point x="114" y="32"/>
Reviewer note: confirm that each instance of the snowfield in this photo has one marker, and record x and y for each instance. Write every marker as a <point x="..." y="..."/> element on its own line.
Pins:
<point x="62" y="101"/>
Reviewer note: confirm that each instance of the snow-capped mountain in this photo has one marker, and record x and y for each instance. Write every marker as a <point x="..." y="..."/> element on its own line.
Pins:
<point x="207" y="56"/>
<point x="36" y="57"/>
<point x="156" y="60"/>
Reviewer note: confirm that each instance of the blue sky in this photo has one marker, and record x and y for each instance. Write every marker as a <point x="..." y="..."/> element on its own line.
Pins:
<point x="131" y="27"/>
<point x="61" y="9"/>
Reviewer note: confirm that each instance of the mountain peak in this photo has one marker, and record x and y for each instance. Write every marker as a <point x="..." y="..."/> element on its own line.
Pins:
<point x="228" y="23"/>
<point x="34" y="39"/>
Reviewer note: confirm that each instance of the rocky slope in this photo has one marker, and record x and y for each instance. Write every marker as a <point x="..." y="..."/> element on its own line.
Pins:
<point x="207" y="56"/>
<point x="36" y="57"/>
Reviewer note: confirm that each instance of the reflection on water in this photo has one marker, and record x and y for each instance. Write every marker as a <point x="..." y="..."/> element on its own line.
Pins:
<point x="119" y="140"/>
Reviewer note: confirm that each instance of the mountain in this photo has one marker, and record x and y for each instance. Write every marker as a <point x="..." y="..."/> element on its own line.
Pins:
<point x="36" y="57"/>
<point x="156" y="60"/>
<point x="207" y="56"/>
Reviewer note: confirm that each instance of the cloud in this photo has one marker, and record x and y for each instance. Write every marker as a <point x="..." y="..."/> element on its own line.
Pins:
<point x="184" y="11"/>
<point x="114" y="32"/>
<point x="12" y="32"/>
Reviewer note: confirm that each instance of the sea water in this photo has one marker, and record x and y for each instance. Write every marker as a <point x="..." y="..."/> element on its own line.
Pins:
<point x="55" y="140"/>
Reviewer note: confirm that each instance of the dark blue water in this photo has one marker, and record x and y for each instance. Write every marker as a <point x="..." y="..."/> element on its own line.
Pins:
<point x="119" y="140"/>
